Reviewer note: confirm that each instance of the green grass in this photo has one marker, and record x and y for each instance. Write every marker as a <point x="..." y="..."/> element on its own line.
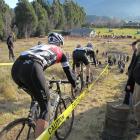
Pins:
<point x="118" y="31"/>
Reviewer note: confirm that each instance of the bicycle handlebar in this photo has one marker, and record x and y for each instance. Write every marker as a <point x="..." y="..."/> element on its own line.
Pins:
<point x="59" y="81"/>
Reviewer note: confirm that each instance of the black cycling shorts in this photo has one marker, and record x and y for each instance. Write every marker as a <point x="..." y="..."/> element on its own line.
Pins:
<point x="78" y="57"/>
<point x="30" y="75"/>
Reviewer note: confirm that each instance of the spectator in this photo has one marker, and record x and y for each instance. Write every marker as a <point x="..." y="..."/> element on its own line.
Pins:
<point x="127" y="58"/>
<point x="130" y="82"/>
<point x="135" y="72"/>
<point x="39" y="43"/>
<point x="134" y="48"/>
<point x="97" y="51"/>
<point x="103" y="54"/>
<point x="10" y="47"/>
<point x="110" y="62"/>
<point x="122" y="66"/>
<point x="114" y="60"/>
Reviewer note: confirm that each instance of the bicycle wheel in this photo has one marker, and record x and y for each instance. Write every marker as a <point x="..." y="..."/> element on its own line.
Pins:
<point x="79" y="85"/>
<point x="91" y="74"/>
<point x="64" y="130"/>
<point x="19" y="129"/>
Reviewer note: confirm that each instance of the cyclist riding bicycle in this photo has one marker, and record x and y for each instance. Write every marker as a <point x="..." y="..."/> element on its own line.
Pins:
<point x="28" y="72"/>
<point x="80" y="55"/>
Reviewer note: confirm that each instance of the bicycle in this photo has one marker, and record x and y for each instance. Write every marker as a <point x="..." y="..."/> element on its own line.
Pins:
<point x="23" y="128"/>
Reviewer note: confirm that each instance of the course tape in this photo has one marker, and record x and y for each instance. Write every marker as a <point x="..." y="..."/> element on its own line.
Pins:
<point x="49" y="132"/>
<point x="6" y="64"/>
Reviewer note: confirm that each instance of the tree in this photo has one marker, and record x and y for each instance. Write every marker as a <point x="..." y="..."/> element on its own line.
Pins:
<point x="43" y="22"/>
<point x="45" y="4"/>
<point x="68" y="14"/>
<point x="75" y="15"/>
<point x="57" y="15"/>
<point x="61" y="20"/>
<point x="1" y="27"/>
<point x="26" y="18"/>
<point x="5" y="20"/>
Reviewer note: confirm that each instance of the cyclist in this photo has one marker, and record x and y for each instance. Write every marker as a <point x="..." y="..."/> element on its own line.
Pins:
<point x="28" y="72"/>
<point x="80" y="55"/>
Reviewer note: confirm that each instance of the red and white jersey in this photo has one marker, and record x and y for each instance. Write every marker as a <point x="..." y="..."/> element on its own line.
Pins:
<point x="47" y="54"/>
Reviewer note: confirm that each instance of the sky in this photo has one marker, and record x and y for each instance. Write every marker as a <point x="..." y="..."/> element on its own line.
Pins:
<point x="12" y="3"/>
<point x="118" y="8"/>
<point x="114" y="8"/>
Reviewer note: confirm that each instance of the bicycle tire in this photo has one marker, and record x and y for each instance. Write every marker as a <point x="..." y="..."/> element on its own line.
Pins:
<point x="65" y="102"/>
<point x="91" y="77"/>
<point x="11" y="128"/>
<point x="79" y="86"/>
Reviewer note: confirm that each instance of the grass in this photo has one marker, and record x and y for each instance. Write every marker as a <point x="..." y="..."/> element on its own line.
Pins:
<point x="118" y="31"/>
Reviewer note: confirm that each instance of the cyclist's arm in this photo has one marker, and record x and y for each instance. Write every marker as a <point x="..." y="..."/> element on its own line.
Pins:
<point x="93" y="56"/>
<point x="70" y="75"/>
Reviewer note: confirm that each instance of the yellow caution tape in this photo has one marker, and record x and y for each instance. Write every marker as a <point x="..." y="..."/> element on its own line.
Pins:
<point x="6" y="64"/>
<point x="49" y="132"/>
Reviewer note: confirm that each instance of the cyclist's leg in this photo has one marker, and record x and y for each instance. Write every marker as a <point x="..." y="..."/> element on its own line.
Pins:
<point x="77" y="68"/>
<point x="32" y="76"/>
<point x="41" y="94"/>
<point x="76" y="62"/>
<point x="86" y="62"/>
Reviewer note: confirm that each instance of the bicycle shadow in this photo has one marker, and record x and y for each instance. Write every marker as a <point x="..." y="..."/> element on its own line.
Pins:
<point x="11" y="107"/>
<point x="9" y="110"/>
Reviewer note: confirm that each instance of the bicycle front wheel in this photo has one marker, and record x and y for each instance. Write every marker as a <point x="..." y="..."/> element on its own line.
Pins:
<point x="64" y="130"/>
<point x="20" y="129"/>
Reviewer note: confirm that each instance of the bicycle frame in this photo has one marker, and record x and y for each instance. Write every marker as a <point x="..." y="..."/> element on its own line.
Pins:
<point x="28" y="123"/>
<point x="57" y="91"/>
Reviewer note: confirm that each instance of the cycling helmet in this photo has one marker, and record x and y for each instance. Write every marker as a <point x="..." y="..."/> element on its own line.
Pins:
<point x="89" y="45"/>
<point x="55" y="38"/>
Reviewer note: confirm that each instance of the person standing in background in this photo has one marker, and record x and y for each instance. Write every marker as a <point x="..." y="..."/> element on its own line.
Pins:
<point x="10" y="45"/>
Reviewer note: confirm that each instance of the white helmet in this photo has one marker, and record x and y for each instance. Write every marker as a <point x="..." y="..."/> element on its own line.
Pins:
<point x="55" y="38"/>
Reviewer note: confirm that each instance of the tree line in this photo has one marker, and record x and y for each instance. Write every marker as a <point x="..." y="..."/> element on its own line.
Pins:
<point x="37" y="18"/>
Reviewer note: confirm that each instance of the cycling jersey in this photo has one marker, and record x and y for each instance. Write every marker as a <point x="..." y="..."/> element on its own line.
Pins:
<point x="81" y="53"/>
<point x="47" y="55"/>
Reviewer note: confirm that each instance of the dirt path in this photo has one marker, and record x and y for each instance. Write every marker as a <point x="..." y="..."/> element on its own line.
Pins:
<point x="91" y="111"/>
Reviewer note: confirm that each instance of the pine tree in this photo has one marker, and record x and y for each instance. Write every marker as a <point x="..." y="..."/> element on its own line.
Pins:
<point x="25" y="17"/>
<point x="74" y="14"/>
<point x="5" y="20"/>
<point x="43" y="23"/>
<point x="1" y="27"/>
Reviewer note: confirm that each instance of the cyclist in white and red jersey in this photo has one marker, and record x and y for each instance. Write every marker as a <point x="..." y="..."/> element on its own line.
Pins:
<point x="28" y="72"/>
